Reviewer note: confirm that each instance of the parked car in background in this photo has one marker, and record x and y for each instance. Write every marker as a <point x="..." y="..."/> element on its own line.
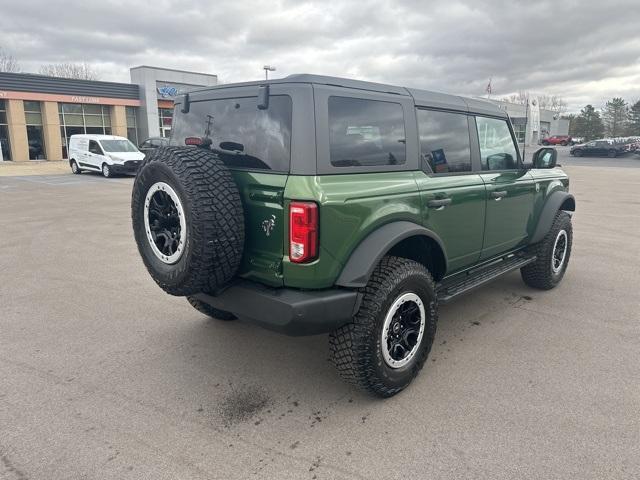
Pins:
<point x="150" y="144"/>
<point x="563" y="140"/>
<point x="599" y="148"/>
<point x="108" y="154"/>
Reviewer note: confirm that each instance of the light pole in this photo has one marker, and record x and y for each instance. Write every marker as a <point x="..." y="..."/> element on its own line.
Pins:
<point x="267" y="69"/>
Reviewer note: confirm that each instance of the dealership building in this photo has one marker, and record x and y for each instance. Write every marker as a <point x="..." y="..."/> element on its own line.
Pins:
<point x="38" y="114"/>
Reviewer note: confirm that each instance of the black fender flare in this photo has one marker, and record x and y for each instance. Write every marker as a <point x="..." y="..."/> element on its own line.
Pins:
<point x="370" y="251"/>
<point x="558" y="200"/>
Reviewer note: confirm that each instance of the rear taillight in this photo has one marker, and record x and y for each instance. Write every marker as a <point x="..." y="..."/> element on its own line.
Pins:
<point x="303" y="231"/>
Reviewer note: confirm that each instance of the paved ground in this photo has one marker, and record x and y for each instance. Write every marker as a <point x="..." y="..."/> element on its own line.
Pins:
<point x="106" y="377"/>
<point x="12" y="169"/>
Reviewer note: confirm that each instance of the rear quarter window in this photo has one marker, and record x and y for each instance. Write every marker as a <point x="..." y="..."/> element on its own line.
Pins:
<point x="366" y="132"/>
<point x="244" y="136"/>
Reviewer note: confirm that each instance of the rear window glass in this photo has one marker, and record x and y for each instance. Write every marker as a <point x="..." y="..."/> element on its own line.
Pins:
<point x="365" y="132"/>
<point x="444" y="141"/>
<point x="242" y="135"/>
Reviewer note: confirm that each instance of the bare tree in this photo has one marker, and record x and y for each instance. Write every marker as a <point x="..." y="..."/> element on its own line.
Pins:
<point x="82" y="71"/>
<point x="548" y="102"/>
<point x="8" y="63"/>
<point x="553" y="103"/>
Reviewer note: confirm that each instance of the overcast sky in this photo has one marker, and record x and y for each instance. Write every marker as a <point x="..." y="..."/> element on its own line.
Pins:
<point x="583" y="51"/>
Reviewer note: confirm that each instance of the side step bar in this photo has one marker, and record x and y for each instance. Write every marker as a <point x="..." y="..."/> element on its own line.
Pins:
<point x="465" y="281"/>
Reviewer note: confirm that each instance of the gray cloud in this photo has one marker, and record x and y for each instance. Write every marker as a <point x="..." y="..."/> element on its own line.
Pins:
<point x="584" y="51"/>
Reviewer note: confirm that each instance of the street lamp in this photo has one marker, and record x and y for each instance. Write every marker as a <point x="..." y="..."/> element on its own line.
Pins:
<point x="267" y="69"/>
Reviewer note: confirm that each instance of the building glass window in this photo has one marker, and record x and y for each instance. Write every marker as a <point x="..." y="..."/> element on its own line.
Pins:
<point x="165" y="117"/>
<point x="35" y="131"/>
<point x="132" y="125"/>
<point x="520" y="130"/>
<point x="4" y="132"/>
<point x="78" y="118"/>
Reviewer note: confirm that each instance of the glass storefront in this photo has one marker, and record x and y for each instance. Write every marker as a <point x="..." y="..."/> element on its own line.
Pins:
<point x="165" y="116"/>
<point x="77" y="118"/>
<point x="132" y="125"/>
<point x="35" y="131"/>
<point x="4" y="132"/>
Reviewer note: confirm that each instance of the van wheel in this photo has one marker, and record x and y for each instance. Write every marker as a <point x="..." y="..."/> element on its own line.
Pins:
<point x="74" y="168"/>
<point x="106" y="171"/>
<point x="385" y="346"/>
<point x="210" y="311"/>
<point x="611" y="154"/>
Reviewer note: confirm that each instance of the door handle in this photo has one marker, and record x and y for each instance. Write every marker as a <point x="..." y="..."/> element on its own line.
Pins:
<point x="438" y="203"/>
<point x="498" y="195"/>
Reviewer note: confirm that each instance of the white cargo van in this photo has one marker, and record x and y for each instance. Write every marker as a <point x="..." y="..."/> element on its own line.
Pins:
<point x="108" y="154"/>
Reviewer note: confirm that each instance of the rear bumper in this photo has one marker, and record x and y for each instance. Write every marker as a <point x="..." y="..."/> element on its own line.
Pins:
<point x="286" y="310"/>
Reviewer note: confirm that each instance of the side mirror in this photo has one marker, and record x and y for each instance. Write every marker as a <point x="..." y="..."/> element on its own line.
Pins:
<point x="545" y="158"/>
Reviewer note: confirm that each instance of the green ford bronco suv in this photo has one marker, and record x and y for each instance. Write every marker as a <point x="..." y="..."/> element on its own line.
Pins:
<point x="314" y="204"/>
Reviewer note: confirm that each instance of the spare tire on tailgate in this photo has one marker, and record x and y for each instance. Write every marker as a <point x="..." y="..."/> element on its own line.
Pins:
<point x="187" y="220"/>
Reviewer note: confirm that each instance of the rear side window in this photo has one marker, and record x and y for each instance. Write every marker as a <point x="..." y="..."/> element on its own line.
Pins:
<point x="365" y="132"/>
<point x="497" y="150"/>
<point x="444" y="141"/>
<point x="242" y="135"/>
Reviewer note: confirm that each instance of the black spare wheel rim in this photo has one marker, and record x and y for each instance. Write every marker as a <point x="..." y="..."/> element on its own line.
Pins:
<point x="402" y="330"/>
<point x="164" y="222"/>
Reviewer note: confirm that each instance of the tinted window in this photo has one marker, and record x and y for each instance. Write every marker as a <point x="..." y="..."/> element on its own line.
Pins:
<point x="95" y="148"/>
<point x="365" y="132"/>
<point x="444" y="141"/>
<point x="242" y="135"/>
<point x="497" y="150"/>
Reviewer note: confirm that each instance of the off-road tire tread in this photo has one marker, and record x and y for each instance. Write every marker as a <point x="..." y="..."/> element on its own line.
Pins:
<point x="216" y="224"/>
<point x="538" y="274"/>
<point x="210" y="311"/>
<point x="349" y="346"/>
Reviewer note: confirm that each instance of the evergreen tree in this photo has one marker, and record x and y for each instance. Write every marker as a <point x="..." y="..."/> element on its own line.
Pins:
<point x="588" y="124"/>
<point x="616" y="116"/>
<point x="634" y="120"/>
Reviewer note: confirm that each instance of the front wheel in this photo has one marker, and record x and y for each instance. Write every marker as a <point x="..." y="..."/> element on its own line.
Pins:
<point x="611" y="154"/>
<point x="106" y="171"/>
<point x="552" y="254"/>
<point x="386" y="344"/>
<point x="577" y="153"/>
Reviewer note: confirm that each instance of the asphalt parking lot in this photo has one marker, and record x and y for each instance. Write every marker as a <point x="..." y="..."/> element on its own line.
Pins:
<point x="106" y="377"/>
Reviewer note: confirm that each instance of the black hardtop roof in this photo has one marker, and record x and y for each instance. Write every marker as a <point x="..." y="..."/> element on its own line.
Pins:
<point x="424" y="98"/>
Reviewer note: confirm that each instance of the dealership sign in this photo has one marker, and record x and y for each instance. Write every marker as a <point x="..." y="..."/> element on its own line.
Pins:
<point x="167" y="91"/>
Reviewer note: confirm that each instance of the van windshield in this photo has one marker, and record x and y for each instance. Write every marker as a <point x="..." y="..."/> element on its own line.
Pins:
<point x="118" y="146"/>
<point x="240" y="133"/>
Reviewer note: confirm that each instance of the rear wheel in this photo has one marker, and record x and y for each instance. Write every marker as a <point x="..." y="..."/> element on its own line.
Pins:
<point x="545" y="143"/>
<point x="564" y="144"/>
<point x="385" y="346"/>
<point x="210" y="311"/>
<point x="611" y="153"/>
<point x="552" y="254"/>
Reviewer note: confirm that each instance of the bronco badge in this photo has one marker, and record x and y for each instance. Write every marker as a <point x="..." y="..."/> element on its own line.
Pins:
<point x="267" y="225"/>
